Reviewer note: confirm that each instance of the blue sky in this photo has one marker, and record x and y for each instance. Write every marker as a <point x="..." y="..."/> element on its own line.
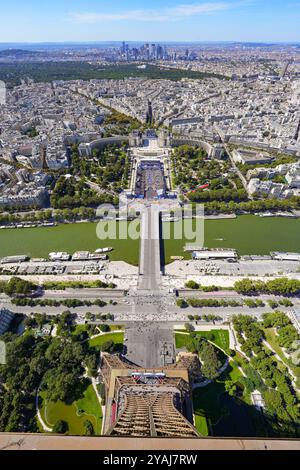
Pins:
<point x="152" y="20"/>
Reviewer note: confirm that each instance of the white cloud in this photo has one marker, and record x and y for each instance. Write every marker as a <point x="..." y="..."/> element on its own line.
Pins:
<point x="162" y="15"/>
<point x="187" y="10"/>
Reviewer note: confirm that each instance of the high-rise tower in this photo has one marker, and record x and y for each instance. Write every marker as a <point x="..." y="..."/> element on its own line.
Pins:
<point x="149" y="403"/>
<point x="153" y="51"/>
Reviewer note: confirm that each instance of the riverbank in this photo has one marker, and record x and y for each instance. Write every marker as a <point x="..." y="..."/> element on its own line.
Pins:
<point x="20" y="223"/>
<point x="220" y="216"/>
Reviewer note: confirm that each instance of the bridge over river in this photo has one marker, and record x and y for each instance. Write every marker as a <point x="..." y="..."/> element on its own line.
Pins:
<point x="147" y="341"/>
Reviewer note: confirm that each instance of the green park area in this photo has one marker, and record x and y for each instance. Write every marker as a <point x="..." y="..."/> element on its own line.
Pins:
<point x="272" y="338"/>
<point x="219" y="414"/>
<point x="223" y="407"/>
<point x="206" y="402"/>
<point x="219" y="337"/>
<point x="85" y="328"/>
<point x="75" y="414"/>
<point x="12" y="74"/>
<point x="98" y="341"/>
<point x="212" y="403"/>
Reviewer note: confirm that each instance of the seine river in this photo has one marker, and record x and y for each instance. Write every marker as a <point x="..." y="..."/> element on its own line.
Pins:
<point x="247" y="234"/>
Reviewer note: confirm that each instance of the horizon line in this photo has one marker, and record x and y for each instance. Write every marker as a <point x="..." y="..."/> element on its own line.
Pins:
<point x="170" y="41"/>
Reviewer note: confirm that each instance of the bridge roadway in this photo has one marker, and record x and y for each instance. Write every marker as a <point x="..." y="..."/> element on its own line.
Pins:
<point x="150" y="266"/>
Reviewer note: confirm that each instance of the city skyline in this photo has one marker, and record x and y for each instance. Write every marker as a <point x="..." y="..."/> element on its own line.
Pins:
<point x="132" y="20"/>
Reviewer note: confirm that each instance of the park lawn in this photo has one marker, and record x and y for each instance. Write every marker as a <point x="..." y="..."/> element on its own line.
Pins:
<point x="231" y="373"/>
<point x="206" y="401"/>
<point x="239" y="360"/>
<point x="117" y="338"/>
<point x="90" y="405"/>
<point x="201" y="425"/>
<point x="221" y="338"/>
<point x="207" y="409"/>
<point x="234" y="373"/>
<point x="52" y="412"/>
<point x="82" y="328"/>
<point x="181" y="340"/>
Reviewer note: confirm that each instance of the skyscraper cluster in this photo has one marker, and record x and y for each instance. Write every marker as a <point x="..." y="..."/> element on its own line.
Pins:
<point x="145" y="52"/>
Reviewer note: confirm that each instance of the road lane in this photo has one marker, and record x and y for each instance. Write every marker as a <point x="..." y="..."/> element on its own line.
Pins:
<point x="150" y="270"/>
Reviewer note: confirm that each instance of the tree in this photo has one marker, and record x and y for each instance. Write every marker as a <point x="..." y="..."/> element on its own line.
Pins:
<point x="254" y="335"/>
<point x="17" y="286"/>
<point x="210" y="361"/>
<point x="66" y="319"/>
<point x="108" y="346"/>
<point x="275" y="319"/>
<point x="287" y="335"/>
<point x="245" y="286"/>
<point x="247" y="349"/>
<point x="90" y="316"/>
<point x="182" y="303"/>
<point x="91" y="363"/>
<point x="286" y="303"/>
<point x="274" y="402"/>
<point x="231" y="388"/>
<point x="30" y="322"/>
<point x="53" y="364"/>
<point x="250" y="303"/>
<point x="41" y="319"/>
<point x="104" y="328"/>
<point x="272" y="304"/>
<point x="253" y="379"/>
<point x="192" y="285"/>
<point x="88" y="428"/>
<point x="189" y="327"/>
<point x="280" y="286"/>
<point x="60" y="427"/>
